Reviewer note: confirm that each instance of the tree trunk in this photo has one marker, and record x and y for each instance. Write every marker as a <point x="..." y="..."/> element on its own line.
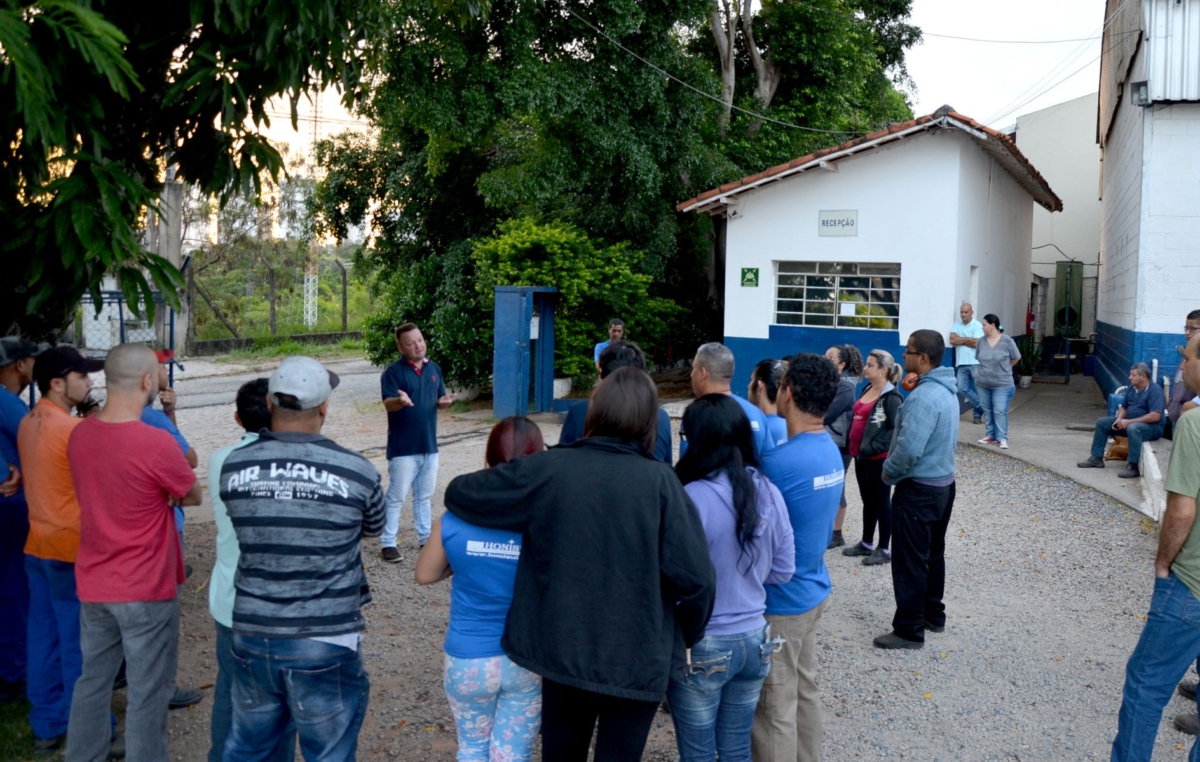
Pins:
<point x="767" y="72"/>
<point x="723" y="23"/>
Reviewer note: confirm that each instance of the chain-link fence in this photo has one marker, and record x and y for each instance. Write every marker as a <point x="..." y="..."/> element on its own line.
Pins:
<point x="102" y="325"/>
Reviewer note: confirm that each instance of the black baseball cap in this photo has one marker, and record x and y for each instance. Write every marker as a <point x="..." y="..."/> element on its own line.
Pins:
<point x="57" y="362"/>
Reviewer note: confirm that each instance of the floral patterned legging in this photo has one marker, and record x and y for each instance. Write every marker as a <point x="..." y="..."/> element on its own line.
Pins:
<point x="497" y="707"/>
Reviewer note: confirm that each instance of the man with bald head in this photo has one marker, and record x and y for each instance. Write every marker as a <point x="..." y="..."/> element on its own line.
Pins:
<point x="964" y="336"/>
<point x="127" y="476"/>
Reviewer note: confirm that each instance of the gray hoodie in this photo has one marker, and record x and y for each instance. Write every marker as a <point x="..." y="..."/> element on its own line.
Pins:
<point x="926" y="431"/>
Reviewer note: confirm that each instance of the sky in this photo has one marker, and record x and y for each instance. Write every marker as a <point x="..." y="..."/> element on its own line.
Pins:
<point x="985" y="80"/>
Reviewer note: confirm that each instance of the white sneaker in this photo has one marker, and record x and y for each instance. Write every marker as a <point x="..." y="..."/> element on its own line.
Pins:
<point x="1003" y="444"/>
<point x="987" y="440"/>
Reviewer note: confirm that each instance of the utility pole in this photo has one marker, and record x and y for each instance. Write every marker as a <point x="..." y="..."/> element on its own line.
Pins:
<point x="310" y="272"/>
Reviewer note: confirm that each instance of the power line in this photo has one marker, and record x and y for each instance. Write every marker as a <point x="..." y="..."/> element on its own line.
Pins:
<point x="698" y="91"/>
<point x="1005" y="42"/>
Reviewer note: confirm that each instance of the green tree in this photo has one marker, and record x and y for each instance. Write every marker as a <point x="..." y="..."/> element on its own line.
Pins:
<point x="96" y="98"/>
<point x="594" y="284"/>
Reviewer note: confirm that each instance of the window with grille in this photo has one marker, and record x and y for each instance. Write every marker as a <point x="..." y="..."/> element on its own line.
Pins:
<point x="838" y="294"/>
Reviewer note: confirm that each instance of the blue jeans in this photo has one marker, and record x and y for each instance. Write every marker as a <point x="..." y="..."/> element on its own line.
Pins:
<point x="497" y="708"/>
<point x="1137" y="433"/>
<point x="713" y="700"/>
<point x="966" y="385"/>
<point x="995" y="409"/>
<point x="320" y="687"/>
<point x="222" y="711"/>
<point x="418" y="473"/>
<point x="1170" y="642"/>
<point x="55" y="658"/>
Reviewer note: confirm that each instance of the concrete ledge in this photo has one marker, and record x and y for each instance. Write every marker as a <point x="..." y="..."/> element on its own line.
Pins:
<point x="1156" y="456"/>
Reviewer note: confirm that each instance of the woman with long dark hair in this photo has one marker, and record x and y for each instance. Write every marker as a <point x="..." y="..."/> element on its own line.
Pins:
<point x="870" y="438"/>
<point x="997" y="354"/>
<point x="849" y="363"/>
<point x="614" y="581"/>
<point x="764" y="386"/>
<point x="713" y="697"/>
<point x="497" y="705"/>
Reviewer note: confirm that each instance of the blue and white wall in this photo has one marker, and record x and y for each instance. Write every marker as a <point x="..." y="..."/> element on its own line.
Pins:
<point x="1150" y="235"/>
<point x="934" y="202"/>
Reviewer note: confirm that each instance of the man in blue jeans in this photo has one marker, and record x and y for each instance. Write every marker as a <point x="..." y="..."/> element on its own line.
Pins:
<point x="964" y="337"/>
<point x="1170" y="641"/>
<point x="413" y="389"/>
<point x="300" y="506"/>
<point x="1140" y="417"/>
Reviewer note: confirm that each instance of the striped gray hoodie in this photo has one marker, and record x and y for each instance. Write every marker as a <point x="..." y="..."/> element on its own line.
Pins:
<point x="300" y="505"/>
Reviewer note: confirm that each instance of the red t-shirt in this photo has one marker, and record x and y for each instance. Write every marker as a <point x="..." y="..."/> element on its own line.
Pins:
<point x="128" y="545"/>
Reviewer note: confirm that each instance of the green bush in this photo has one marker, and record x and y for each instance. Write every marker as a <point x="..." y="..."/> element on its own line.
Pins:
<point x="595" y="283"/>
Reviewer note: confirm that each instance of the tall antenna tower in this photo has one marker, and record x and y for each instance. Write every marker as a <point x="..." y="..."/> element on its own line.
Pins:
<point x="310" y="272"/>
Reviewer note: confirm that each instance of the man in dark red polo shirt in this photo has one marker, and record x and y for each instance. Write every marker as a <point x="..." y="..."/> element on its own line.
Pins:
<point x="413" y="391"/>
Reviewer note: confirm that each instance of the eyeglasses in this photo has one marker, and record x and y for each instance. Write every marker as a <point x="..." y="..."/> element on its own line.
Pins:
<point x="1188" y="330"/>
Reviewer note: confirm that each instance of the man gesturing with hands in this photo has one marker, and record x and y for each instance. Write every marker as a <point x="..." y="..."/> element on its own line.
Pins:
<point x="1170" y="641"/>
<point x="413" y="391"/>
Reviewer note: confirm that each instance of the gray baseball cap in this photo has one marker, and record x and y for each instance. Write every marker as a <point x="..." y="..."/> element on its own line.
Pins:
<point x="303" y="378"/>
<point x="13" y="348"/>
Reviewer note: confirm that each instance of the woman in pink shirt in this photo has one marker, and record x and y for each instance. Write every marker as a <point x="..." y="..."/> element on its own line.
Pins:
<point x="868" y="442"/>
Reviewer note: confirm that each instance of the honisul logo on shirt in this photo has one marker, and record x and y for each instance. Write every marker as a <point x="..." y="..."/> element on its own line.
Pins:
<point x="829" y="480"/>
<point x="293" y="472"/>
<point x="509" y="550"/>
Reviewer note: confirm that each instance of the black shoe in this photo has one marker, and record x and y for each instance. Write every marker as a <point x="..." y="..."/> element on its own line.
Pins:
<point x="46" y="746"/>
<point x="836" y="541"/>
<point x="185" y="697"/>
<point x="1091" y="463"/>
<point x="187" y="571"/>
<point x="893" y="641"/>
<point x="931" y="627"/>
<point x="877" y="557"/>
<point x="857" y="549"/>
<point x="12" y="691"/>
<point x="1188" y="690"/>
<point x="1129" y="472"/>
<point x="1188" y="723"/>
<point x="391" y="555"/>
<point x="977" y="420"/>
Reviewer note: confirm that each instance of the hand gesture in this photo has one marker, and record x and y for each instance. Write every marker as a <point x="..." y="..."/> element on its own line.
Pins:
<point x="446" y="400"/>
<point x="405" y="400"/>
<point x="168" y="398"/>
<point x="9" y="486"/>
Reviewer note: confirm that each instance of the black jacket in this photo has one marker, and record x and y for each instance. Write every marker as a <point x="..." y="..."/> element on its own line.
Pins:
<point x="878" y="436"/>
<point x="841" y="411"/>
<point x="614" y="577"/>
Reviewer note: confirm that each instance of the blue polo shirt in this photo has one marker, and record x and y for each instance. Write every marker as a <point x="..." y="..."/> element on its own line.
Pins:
<point x="763" y="441"/>
<point x="572" y="430"/>
<point x="1137" y="403"/>
<point x="599" y="348"/>
<point x="413" y="430"/>
<point x="808" y="472"/>
<point x="12" y="410"/>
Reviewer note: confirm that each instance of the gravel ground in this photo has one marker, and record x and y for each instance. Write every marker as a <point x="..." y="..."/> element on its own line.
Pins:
<point x="1047" y="588"/>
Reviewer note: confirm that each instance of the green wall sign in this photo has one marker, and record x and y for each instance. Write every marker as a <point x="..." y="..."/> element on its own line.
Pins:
<point x="750" y="277"/>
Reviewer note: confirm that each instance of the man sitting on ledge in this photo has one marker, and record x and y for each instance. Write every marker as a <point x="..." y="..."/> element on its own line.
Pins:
<point x="1140" y="417"/>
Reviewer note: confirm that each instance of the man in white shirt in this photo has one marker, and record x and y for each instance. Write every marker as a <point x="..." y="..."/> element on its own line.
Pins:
<point x="964" y="336"/>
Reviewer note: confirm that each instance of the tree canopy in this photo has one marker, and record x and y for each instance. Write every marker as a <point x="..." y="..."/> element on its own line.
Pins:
<point x="560" y="112"/>
<point x="97" y="98"/>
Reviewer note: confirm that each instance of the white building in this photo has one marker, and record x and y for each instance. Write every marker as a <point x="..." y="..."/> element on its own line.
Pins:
<point x="1149" y="135"/>
<point x="1060" y="142"/>
<point x="868" y="241"/>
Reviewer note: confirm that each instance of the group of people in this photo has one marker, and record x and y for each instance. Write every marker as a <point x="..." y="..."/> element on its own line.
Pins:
<point x="984" y="358"/>
<point x="580" y="600"/>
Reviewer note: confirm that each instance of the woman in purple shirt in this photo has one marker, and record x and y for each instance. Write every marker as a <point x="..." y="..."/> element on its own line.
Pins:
<point x="713" y="697"/>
